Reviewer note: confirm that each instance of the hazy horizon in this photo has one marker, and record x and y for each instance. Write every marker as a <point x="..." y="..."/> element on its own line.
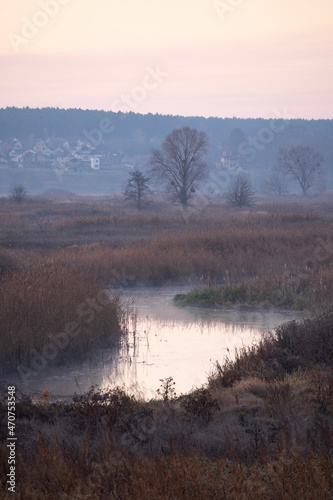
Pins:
<point x="230" y="58"/>
<point x="283" y="115"/>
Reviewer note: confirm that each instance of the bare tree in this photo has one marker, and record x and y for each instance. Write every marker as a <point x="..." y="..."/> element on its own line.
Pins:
<point x="303" y="164"/>
<point x="240" y="193"/>
<point x="276" y="184"/>
<point x="179" y="164"/>
<point x="18" y="192"/>
<point x="137" y="188"/>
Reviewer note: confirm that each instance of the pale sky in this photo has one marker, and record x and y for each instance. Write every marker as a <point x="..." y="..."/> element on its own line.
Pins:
<point x="244" y="58"/>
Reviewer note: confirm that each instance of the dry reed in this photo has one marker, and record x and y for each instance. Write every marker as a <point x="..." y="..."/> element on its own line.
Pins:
<point x="42" y="301"/>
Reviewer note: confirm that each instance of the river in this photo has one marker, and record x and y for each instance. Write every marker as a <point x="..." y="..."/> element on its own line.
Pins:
<point x="163" y="341"/>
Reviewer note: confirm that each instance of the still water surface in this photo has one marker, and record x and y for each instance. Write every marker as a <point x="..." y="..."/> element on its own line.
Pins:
<point x="164" y="341"/>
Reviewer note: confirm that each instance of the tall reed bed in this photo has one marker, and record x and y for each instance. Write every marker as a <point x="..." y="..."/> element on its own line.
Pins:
<point x="41" y="302"/>
<point x="229" y="250"/>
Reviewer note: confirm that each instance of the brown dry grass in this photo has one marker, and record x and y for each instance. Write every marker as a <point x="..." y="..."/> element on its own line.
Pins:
<point x="181" y="476"/>
<point x="43" y="301"/>
<point x="290" y="347"/>
<point x="229" y="248"/>
<point x="11" y="222"/>
<point x="116" y="220"/>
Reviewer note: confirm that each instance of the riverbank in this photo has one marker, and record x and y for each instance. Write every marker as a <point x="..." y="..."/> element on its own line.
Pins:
<point x="308" y="292"/>
<point x="261" y="428"/>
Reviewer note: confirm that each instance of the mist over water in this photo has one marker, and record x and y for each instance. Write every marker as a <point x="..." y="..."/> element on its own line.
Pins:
<point x="163" y="341"/>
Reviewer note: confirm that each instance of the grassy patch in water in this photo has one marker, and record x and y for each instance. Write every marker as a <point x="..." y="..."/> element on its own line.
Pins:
<point x="252" y="293"/>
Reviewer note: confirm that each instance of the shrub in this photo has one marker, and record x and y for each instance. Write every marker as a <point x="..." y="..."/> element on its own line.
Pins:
<point x="200" y="405"/>
<point x="18" y="192"/>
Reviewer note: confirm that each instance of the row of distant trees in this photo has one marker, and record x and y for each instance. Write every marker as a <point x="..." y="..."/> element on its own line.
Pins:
<point x="179" y="167"/>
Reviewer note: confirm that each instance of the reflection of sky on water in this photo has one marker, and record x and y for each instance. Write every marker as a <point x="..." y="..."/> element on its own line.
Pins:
<point x="164" y="341"/>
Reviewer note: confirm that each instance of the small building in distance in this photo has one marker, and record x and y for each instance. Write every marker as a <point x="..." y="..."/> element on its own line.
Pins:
<point x="229" y="161"/>
<point x="95" y="162"/>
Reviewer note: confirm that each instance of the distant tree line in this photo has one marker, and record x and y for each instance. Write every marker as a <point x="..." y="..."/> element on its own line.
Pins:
<point x="229" y="133"/>
<point x="179" y="166"/>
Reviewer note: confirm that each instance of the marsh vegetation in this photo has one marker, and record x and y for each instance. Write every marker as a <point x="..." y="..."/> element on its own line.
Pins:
<point x="262" y="425"/>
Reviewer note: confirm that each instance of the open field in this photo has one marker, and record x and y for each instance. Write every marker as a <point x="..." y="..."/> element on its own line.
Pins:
<point x="262" y="428"/>
<point x="44" y="179"/>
